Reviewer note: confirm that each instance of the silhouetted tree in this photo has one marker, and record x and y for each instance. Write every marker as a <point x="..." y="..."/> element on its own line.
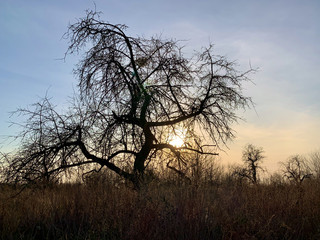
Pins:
<point x="315" y="164"/>
<point x="252" y="157"/>
<point x="133" y="93"/>
<point x="296" y="169"/>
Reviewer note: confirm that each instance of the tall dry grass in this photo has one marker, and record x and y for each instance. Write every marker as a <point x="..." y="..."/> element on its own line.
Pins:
<point x="162" y="210"/>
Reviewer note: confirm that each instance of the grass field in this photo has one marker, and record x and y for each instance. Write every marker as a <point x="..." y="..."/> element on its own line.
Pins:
<point x="162" y="210"/>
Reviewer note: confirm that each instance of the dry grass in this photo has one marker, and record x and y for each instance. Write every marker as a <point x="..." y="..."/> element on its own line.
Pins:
<point x="162" y="211"/>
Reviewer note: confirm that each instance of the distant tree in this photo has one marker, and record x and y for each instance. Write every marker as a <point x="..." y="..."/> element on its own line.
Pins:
<point x="252" y="157"/>
<point x="296" y="169"/>
<point x="315" y="164"/>
<point x="134" y="94"/>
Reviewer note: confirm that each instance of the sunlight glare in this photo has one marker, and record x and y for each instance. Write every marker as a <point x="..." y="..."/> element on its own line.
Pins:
<point x="177" y="138"/>
<point x="176" y="141"/>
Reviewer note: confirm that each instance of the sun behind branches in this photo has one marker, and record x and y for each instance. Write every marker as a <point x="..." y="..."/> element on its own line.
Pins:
<point x="177" y="138"/>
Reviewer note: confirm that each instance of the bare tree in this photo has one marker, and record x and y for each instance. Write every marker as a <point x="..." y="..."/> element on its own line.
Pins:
<point x="252" y="157"/>
<point x="315" y="163"/>
<point x="296" y="169"/>
<point x="133" y="94"/>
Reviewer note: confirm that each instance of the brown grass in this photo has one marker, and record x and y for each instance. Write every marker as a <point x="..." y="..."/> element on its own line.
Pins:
<point x="162" y="210"/>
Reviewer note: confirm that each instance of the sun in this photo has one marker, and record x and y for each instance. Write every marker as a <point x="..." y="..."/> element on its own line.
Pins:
<point x="176" y="141"/>
<point x="177" y="138"/>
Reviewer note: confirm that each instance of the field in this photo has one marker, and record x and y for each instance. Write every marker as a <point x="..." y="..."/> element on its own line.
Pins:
<point x="225" y="209"/>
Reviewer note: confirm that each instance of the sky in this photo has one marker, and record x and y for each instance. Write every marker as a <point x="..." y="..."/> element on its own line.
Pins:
<point x="278" y="37"/>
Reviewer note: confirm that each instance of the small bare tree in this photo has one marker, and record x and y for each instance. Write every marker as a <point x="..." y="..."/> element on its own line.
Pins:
<point x="296" y="169"/>
<point x="252" y="157"/>
<point x="315" y="164"/>
<point x="133" y="93"/>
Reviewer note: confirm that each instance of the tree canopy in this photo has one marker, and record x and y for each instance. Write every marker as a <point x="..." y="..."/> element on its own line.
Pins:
<point x="135" y="93"/>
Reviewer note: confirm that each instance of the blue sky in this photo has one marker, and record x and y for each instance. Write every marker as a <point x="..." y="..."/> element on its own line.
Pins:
<point x="281" y="38"/>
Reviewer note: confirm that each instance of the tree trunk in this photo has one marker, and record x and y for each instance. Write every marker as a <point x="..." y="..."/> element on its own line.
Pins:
<point x="142" y="156"/>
